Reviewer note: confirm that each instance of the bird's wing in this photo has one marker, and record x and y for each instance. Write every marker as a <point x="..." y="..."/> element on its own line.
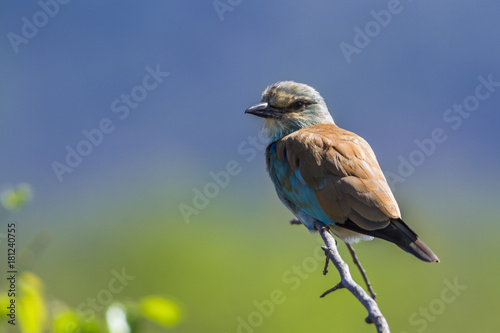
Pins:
<point x="326" y="170"/>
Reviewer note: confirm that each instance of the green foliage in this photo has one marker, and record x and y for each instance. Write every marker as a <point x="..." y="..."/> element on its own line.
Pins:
<point x="163" y="311"/>
<point x="36" y="315"/>
<point x="13" y="199"/>
<point x="66" y="320"/>
<point x="31" y="304"/>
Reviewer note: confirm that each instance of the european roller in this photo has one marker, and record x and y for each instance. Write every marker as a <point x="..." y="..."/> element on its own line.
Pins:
<point x="324" y="173"/>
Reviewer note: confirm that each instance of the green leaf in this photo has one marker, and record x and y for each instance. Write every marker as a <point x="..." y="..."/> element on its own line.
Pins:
<point x="31" y="304"/>
<point x="66" y="320"/>
<point x="160" y="310"/>
<point x="16" y="198"/>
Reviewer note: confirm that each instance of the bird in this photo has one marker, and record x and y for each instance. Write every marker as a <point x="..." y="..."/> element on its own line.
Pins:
<point x="323" y="173"/>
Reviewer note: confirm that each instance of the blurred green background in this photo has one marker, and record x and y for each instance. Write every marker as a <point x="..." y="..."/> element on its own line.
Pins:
<point x="108" y="242"/>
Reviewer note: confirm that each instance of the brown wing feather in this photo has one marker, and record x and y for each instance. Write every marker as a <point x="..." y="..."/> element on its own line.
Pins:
<point x="343" y="169"/>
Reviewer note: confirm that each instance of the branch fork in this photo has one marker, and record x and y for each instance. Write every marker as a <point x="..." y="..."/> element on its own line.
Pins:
<point x="375" y="316"/>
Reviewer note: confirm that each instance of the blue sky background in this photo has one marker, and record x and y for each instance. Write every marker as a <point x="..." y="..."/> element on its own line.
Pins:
<point x="395" y="91"/>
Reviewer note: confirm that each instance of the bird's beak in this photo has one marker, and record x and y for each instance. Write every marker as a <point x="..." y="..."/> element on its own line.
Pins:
<point x="263" y="110"/>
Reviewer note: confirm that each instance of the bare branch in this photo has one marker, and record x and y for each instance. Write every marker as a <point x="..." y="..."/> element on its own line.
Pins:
<point x="346" y="281"/>
<point x="362" y="270"/>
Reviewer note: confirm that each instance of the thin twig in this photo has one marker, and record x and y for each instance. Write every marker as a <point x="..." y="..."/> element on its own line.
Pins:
<point x="362" y="270"/>
<point x="338" y="286"/>
<point x="374" y="314"/>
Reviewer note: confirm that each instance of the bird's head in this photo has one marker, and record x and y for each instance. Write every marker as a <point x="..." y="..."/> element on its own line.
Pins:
<point x="288" y="106"/>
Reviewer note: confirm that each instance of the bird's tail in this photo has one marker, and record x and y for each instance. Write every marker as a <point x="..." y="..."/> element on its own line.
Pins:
<point x="421" y="251"/>
<point x="399" y="233"/>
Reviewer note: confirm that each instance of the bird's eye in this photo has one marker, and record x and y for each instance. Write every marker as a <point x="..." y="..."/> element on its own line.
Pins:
<point x="298" y="105"/>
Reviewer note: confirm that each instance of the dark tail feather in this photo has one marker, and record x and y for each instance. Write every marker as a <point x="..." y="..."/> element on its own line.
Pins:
<point x="399" y="233"/>
<point x="421" y="251"/>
